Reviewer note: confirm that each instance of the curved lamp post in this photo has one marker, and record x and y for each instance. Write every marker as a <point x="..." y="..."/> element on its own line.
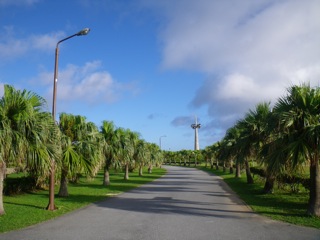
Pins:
<point x="195" y="126"/>
<point x="83" y="32"/>
<point x="160" y="140"/>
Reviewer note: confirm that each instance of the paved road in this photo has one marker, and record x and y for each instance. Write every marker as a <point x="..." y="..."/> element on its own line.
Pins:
<point x="184" y="204"/>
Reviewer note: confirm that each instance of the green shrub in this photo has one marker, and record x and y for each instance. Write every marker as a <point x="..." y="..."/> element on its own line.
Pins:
<point x="284" y="178"/>
<point x="14" y="186"/>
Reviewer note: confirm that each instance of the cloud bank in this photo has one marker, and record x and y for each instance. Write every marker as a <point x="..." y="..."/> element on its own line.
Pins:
<point x="12" y="46"/>
<point x="18" y="2"/>
<point x="88" y="84"/>
<point x="249" y="51"/>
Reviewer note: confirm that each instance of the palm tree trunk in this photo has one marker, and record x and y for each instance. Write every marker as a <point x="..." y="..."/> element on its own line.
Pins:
<point x="314" y="195"/>
<point x="2" y="176"/>
<point x="150" y="169"/>
<point x="238" y="170"/>
<point x="140" y="170"/>
<point x="268" y="186"/>
<point x="126" y="174"/>
<point x="248" y="173"/>
<point x="106" y="176"/>
<point x="217" y="165"/>
<point x="231" y="167"/>
<point x="63" y="191"/>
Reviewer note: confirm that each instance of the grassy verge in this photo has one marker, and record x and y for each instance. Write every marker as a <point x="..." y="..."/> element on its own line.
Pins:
<point x="29" y="209"/>
<point x="281" y="205"/>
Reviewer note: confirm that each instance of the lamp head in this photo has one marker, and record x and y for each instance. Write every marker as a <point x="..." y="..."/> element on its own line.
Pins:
<point x="84" y="31"/>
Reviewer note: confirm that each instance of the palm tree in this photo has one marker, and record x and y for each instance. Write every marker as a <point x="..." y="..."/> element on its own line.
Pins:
<point x="230" y="147"/>
<point x="214" y="149"/>
<point x="184" y="155"/>
<point x="259" y="125"/>
<point x="207" y="155"/>
<point x="119" y="143"/>
<point x="298" y="114"/>
<point x="236" y="149"/>
<point x="141" y="155"/>
<point x="80" y="146"/>
<point x="28" y="136"/>
<point x="89" y="145"/>
<point x="253" y="135"/>
<point x="190" y="154"/>
<point x="169" y="154"/>
<point x="223" y="153"/>
<point x="159" y="158"/>
<point x="130" y="150"/>
<point x="178" y="156"/>
<point x="124" y="148"/>
<point x="155" y="156"/>
<point x="108" y="131"/>
<point x="70" y="161"/>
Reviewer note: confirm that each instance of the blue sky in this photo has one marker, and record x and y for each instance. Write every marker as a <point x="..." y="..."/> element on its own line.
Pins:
<point x="151" y="65"/>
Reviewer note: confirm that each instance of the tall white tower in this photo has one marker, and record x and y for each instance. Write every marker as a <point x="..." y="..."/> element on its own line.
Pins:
<point x="195" y="126"/>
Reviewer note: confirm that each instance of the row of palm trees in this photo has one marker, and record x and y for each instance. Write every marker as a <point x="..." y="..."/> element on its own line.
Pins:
<point x="284" y="139"/>
<point x="32" y="141"/>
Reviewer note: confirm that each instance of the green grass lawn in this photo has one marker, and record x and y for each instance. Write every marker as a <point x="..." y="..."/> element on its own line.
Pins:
<point x="281" y="205"/>
<point x="29" y="209"/>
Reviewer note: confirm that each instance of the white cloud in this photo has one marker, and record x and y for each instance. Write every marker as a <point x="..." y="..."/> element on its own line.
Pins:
<point x="44" y="41"/>
<point x="93" y="87"/>
<point x="18" y="2"/>
<point x="183" y="121"/>
<point x="88" y="84"/>
<point x="237" y="86"/>
<point x="250" y="51"/>
<point x="309" y="73"/>
<point x="12" y="46"/>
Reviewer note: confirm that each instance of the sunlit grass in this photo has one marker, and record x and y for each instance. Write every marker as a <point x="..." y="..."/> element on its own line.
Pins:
<point x="281" y="205"/>
<point x="28" y="209"/>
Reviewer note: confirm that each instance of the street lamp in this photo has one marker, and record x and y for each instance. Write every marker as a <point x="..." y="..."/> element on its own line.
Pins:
<point x="83" y="32"/>
<point x="195" y="126"/>
<point x="160" y="140"/>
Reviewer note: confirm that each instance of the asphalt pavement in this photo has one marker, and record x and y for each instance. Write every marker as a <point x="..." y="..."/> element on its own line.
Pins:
<point x="185" y="204"/>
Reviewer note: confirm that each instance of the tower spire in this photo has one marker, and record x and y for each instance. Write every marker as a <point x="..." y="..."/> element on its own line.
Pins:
<point x="195" y="126"/>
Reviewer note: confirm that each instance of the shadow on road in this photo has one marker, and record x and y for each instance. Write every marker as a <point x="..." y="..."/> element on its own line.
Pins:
<point x="188" y="193"/>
